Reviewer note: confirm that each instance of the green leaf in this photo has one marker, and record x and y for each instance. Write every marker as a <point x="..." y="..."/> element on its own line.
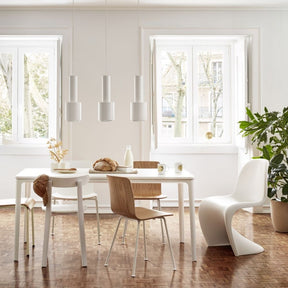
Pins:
<point x="276" y="160"/>
<point x="250" y="114"/>
<point x="284" y="199"/>
<point x="271" y="192"/>
<point x="266" y="154"/>
<point x="285" y="189"/>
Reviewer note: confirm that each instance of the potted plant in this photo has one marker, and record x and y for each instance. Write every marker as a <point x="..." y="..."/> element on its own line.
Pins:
<point x="269" y="131"/>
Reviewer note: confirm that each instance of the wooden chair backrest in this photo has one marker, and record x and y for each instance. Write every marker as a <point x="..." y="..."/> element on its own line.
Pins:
<point x="121" y="196"/>
<point x="146" y="189"/>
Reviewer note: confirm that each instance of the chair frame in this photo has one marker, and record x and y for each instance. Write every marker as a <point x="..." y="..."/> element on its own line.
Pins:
<point x="74" y="181"/>
<point x="28" y="203"/>
<point x="91" y="196"/>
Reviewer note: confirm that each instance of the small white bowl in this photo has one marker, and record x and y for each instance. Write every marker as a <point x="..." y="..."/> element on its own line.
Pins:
<point x="124" y="168"/>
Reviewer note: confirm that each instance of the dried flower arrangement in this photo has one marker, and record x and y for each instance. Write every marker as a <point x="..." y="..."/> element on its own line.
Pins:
<point x="56" y="151"/>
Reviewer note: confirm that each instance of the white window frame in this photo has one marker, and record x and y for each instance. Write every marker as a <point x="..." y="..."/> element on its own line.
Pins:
<point x="18" y="45"/>
<point x="190" y="45"/>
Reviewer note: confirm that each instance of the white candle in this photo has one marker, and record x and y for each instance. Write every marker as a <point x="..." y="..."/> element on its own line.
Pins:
<point x="73" y="88"/>
<point x="106" y="84"/>
<point x="138" y="88"/>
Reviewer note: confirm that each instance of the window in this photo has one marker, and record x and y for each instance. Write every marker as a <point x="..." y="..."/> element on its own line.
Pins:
<point x="195" y="82"/>
<point x="29" y="88"/>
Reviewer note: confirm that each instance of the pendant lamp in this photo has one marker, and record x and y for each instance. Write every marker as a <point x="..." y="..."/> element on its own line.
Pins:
<point x="106" y="108"/>
<point x="73" y="107"/>
<point x="138" y="109"/>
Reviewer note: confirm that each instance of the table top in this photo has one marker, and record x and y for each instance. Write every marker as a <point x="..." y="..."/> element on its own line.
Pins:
<point x="142" y="174"/>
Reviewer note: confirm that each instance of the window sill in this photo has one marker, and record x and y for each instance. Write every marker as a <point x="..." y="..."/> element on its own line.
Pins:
<point x="23" y="149"/>
<point x="196" y="149"/>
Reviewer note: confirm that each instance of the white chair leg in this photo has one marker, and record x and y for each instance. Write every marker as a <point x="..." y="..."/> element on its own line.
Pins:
<point x="124" y="231"/>
<point x="240" y="244"/>
<point x="81" y="223"/>
<point x="136" y="248"/>
<point x="144" y="235"/>
<point x="212" y="223"/>
<point x="114" y="237"/>
<point x="32" y="224"/>
<point x="98" y="220"/>
<point x="27" y="232"/>
<point x="53" y="220"/>
<point x="169" y="243"/>
<point x="47" y="226"/>
<point x="162" y="230"/>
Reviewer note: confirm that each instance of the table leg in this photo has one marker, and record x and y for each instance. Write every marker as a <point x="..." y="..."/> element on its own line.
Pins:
<point x="17" y="220"/>
<point x="181" y="212"/>
<point x="192" y="220"/>
<point x="47" y="226"/>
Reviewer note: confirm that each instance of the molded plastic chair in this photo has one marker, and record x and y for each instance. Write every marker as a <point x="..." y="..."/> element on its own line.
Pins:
<point x="147" y="191"/>
<point x="91" y="196"/>
<point x="69" y="181"/>
<point x="122" y="203"/>
<point x="216" y="213"/>
<point x="28" y="204"/>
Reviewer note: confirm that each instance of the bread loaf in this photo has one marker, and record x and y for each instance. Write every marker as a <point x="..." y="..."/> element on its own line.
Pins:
<point x="105" y="164"/>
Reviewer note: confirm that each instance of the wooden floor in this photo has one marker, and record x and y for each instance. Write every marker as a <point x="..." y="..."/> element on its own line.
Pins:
<point x="216" y="267"/>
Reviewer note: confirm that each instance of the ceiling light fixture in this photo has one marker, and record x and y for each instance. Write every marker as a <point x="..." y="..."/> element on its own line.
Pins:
<point x="106" y="108"/>
<point x="73" y="107"/>
<point x="138" y="108"/>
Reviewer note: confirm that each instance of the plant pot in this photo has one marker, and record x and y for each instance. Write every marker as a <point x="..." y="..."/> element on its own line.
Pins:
<point x="279" y="215"/>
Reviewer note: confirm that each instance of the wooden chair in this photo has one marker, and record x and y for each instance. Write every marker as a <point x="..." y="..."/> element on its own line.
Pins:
<point x="122" y="203"/>
<point x="91" y="196"/>
<point x="147" y="191"/>
<point x="69" y="181"/>
<point x="28" y="204"/>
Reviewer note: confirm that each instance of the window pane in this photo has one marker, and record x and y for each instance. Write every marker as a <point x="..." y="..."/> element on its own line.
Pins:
<point x="173" y="65"/>
<point x="6" y="94"/>
<point x="210" y="95"/>
<point x="36" y="95"/>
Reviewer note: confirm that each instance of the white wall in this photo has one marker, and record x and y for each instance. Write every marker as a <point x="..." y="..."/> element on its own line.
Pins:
<point x="215" y="173"/>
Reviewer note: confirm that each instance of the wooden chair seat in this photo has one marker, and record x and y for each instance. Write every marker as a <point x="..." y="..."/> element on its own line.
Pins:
<point x="143" y="214"/>
<point x="147" y="197"/>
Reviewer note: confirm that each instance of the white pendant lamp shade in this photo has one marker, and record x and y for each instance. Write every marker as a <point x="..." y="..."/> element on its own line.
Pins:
<point x="73" y="107"/>
<point x="138" y="111"/>
<point x="106" y="108"/>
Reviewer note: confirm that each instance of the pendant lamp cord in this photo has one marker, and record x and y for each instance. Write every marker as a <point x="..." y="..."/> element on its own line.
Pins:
<point x="106" y="36"/>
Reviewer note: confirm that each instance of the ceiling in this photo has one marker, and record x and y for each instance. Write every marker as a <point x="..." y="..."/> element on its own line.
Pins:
<point x="151" y="4"/>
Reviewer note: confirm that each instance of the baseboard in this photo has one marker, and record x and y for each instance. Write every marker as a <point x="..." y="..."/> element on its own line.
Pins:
<point x="105" y="209"/>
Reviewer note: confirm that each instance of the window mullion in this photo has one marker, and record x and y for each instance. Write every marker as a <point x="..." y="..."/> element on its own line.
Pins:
<point x="194" y="93"/>
<point x="20" y="96"/>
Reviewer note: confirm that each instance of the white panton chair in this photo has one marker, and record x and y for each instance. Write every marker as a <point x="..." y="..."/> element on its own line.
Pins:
<point x="216" y="213"/>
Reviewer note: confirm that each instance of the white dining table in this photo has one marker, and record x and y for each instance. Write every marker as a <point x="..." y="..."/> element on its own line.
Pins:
<point x="28" y="175"/>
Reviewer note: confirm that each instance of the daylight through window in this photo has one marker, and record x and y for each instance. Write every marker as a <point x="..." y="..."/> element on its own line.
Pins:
<point x="29" y="72"/>
<point x="195" y="88"/>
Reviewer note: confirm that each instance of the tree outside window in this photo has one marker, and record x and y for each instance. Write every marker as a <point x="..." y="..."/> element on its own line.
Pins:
<point x="192" y="93"/>
<point x="28" y="89"/>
